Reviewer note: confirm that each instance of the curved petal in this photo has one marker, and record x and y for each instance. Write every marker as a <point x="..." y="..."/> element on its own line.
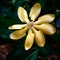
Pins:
<point x="18" y="34"/>
<point x="46" y="28"/>
<point x="22" y="14"/>
<point x="35" y="10"/>
<point x="39" y="38"/>
<point x="17" y="26"/>
<point x="45" y="19"/>
<point x="29" y="40"/>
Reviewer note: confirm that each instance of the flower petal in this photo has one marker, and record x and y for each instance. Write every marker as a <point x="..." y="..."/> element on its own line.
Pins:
<point x="18" y="34"/>
<point x="39" y="38"/>
<point x="35" y="10"/>
<point x="45" y="19"/>
<point x="46" y="28"/>
<point x="29" y="40"/>
<point x="17" y="26"/>
<point x="22" y="14"/>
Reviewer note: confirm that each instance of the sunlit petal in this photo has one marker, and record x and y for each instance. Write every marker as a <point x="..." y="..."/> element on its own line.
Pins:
<point x="18" y="34"/>
<point x="35" y="10"/>
<point x="29" y="40"/>
<point x="22" y="14"/>
<point x="17" y="26"/>
<point x="45" y="19"/>
<point x="46" y="28"/>
<point x="39" y="38"/>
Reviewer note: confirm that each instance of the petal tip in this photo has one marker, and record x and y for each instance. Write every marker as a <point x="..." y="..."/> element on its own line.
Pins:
<point x="54" y="31"/>
<point x="37" y="3"/>
<point x="9" y="27"/>
<point x="42" y="45"/>
<point x="53" y="16"/>
<point x="20" y="8"/>
<point x="35" y="10"/>
<point x="12" y="37"/>
<point x="26" y="48"/>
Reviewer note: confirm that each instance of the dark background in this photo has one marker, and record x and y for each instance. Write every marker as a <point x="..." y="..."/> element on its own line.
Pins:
<point x="14" y="50"/>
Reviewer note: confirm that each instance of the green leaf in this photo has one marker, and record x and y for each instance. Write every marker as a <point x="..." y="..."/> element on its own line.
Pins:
<point x="19" y="53"/>
<point x="32" y="56"/>
<point x="4" y="33"/>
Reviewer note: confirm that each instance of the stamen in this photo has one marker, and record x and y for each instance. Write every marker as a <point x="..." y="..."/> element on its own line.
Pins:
<point x="30" y="25"/>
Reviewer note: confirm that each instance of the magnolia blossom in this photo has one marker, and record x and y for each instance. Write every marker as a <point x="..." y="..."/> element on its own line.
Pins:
<point x="35" y="28"/>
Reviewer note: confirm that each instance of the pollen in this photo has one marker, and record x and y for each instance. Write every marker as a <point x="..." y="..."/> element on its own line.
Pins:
<point x="30" y="25"/>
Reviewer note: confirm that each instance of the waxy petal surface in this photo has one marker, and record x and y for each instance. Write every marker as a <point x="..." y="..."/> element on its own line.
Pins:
<point x="22" y="14"/>
<point x="35" y="11"/>
<point x="18" y="34"/>
<point x="17" y="26"/>
<point x="46" y="28"/>
<point x="45" y="19"/>
<point x="29" y="40"/>
<point x="39" y="38"/>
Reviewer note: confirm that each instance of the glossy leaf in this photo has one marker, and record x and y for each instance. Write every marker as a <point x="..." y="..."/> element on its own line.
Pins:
<point x="32" y="56"/>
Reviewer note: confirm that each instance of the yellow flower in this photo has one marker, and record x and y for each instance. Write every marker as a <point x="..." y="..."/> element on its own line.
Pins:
<point x="35" y="28"/>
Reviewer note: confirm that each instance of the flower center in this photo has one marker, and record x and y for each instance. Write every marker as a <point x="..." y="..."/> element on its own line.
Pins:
<point x="30" y="25"/>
